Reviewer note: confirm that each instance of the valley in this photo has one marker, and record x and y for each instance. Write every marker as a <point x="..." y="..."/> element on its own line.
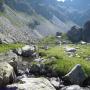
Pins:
<point x="44" y="45"/>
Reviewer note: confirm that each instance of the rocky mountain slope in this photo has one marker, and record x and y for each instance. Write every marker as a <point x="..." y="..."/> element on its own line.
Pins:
<point x="29" y="20"/>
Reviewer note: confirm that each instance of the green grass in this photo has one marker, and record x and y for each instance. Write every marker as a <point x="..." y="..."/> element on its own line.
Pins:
<point x="7" y="47"/>
<point x="64" y="63"/>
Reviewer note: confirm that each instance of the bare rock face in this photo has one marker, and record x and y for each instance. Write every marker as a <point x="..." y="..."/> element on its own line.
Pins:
<point x="76" y="75"/>
<point x="7" y="74"/>
<point x="33" y="84"/>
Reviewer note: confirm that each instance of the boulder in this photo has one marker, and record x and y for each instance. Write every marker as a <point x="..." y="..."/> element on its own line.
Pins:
<point x="42" y="69"/>
<point x="55" y="82"/>
<point x="75" y="34"/>
<point x="76" y="75"/>
<point x="18" y="51"/>
<point x="26" y="51"/>
<point x="12" y="59"/>
<point x="35" y="69"/>
<point x="68" y="49"/>
<point x="33" y="84"/>
<point x="73" y="87"/>
<point x="7" y="74"/>
<point x="86" y="32"/>
<point x="83" y="42"/>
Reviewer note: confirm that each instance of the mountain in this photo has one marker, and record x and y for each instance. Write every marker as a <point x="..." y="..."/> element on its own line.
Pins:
<point x="29" y="20"/>
<point x="78" y="10"/>
<point x="48" y="9"/>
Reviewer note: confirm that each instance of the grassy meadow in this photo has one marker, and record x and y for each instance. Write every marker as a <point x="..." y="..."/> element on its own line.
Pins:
<point x="63" y="63"/>
<point x="7" y="47"/>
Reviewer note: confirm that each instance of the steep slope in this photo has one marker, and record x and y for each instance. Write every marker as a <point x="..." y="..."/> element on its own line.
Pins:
<point x="28" y="20"/>
<point x="49" y="10"/>
<point x="78" y="10"/>
<point x="10" y="26"/>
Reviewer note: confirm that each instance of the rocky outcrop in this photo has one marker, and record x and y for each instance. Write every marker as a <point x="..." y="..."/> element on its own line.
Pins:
<point x="33" y="84"/>
<point x="76" y="75"/>
<point x="75" y="34"/>
<point x="7" y="74"/>
<point x="86" y="32"/>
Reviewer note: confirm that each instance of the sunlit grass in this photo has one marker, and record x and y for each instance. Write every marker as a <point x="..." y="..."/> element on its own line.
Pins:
<point x="7" y="47"/>
<point x="64" y="63"/>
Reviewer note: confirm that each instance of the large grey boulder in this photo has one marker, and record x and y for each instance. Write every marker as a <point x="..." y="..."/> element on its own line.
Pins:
<point x="11" y="58"/>
<point x="7" y="74"/>
<point x="74" y="87"/>
<point x="75" y="34"/>
<point x="26" y="51"/>
<point x="33" y="84"/>
<point x="76" y="75"/>
<point x="55" y="82"/>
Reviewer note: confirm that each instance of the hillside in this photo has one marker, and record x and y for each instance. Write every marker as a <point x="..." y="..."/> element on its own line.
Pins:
<point x="48" y="9"/>
<point x="28" y="20"/>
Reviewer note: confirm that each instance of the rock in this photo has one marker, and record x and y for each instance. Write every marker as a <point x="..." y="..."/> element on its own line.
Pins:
<point x="35" y="69"/>
<point x="86" y="32"/>
<point x="55" y="82"/>
<point x="8" y="56"/>
<point x="88" y="58"/>
<point x="70" y="49"/>
<point x="12" y="59"/>
<point x="20" y="72"/>
<point x="7" y="74"/>
<point x="86" y="82"/>
<point x="38" y="60"/>
<point x="83" y="43"/>
<point x="42" y="69"/>
<point x="46" y="47"/>
<point x="21" y="77"/>
<point x="75" y="34"/>
<point x="33" y="84"/>
<point x="28" y="47"/>
<point x="5" y="40"/>
<point x="76" y="75"/>
<point x="26" y="51"/>
<point x="58" y="34"/>
<point x="11" y="56"/>
<point x="18" y="51"/>
<point x="73" y="87"/>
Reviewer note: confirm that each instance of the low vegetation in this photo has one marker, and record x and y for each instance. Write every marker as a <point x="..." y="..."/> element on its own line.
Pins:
<point x="63" y="63"/>
<point x="7" y="47"/>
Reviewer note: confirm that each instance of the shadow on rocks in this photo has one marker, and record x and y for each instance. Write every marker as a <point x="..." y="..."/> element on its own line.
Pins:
<point x="7" y="88"/>
<point x="86" y="82"/>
